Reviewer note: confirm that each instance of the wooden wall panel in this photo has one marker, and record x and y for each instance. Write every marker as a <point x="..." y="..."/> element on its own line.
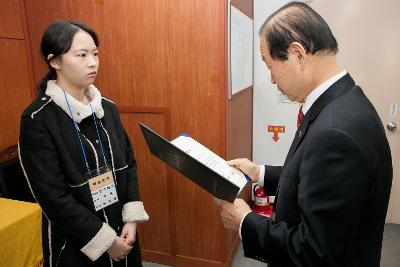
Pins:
<point x="137" y="52"/>
<point x="133" y="45"/>
<point x="240" y="108"/>
<point x="198" y="108"/>
<point x="15" y="94"/>
<point x="239" y="135"/>
<point x="239" y="127"/>
<point x="10" y="20"/>
<point x="154" y="183"/>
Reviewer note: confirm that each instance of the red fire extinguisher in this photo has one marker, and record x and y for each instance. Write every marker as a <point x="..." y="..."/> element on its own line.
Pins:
<point x="262" y="203"/>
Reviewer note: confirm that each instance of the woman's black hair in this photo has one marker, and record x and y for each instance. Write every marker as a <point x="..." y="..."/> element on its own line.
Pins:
<point x="57" y="40"/>
<point x="297" y="22"/>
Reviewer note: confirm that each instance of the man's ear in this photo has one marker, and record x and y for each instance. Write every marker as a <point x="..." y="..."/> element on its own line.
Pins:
<point x="298" y="50"/>
<point x="54" y="62"/>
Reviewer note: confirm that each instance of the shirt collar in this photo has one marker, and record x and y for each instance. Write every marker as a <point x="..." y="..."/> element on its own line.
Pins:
<point x="317" y="92"/>
<point x="80" y="110"/>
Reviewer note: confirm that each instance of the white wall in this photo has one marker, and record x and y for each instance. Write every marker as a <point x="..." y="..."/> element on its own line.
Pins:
<point x="268" y="108"/>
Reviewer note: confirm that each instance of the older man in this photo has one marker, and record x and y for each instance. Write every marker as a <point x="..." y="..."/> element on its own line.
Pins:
<point x="333" y="190"/>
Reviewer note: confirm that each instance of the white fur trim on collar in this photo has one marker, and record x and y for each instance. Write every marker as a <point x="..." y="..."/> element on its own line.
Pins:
<point x="79" y="109"/>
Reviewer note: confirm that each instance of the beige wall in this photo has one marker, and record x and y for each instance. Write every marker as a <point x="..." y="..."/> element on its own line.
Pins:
<point x="368" y="34"/>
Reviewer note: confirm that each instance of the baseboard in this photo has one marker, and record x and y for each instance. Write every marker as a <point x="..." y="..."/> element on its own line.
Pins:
<point x="183" y="261"/>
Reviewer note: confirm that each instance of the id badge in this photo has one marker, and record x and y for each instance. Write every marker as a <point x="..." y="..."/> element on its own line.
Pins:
<point x="102" y="188"/>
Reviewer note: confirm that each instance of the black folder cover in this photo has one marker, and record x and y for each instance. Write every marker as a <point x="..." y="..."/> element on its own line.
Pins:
<point x="189" y="166"/>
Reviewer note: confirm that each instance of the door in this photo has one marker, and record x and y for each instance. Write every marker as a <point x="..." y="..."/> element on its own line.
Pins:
<point x="368" y="35"/>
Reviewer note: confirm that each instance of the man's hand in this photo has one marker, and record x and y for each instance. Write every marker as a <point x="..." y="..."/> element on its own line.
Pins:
<point x="129" y="232"/>
<point x="232" y="213"/>
<point x="119" y="249"/>
<point x="247" y="167"/>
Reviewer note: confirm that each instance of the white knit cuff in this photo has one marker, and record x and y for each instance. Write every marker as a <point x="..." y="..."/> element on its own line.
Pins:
<point x="261" y="175"/>
<point x="100" y="243"/>
<point x="134" y="212"/>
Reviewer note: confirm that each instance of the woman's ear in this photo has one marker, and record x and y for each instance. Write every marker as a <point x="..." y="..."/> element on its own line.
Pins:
<point x="298" y="50"/>
<point x="54" y="62"/>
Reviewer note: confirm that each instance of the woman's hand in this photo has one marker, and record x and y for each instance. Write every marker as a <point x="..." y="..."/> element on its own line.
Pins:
<point x="129" y="232"/>
<point x="119" y="249"/>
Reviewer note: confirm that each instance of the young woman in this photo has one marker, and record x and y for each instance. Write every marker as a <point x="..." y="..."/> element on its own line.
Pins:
<point x="78" y="160"/>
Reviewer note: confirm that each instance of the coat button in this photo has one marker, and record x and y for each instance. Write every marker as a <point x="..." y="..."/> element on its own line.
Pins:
<point x="43" y="98"/>
<point x="78" y="113"/>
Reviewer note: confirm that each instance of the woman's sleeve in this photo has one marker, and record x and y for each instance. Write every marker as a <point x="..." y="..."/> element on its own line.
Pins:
<point x="40" y="162"/>
<point x="133" y="209"/>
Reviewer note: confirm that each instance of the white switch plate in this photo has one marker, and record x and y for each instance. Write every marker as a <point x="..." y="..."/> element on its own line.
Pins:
<point x="393" y="110"/>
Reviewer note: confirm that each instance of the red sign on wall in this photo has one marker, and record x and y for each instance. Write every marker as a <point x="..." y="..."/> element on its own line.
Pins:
<point x="276" y="130"/>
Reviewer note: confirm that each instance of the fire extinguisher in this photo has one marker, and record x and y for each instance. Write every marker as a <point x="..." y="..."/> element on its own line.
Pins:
<point x="262" y="204"/>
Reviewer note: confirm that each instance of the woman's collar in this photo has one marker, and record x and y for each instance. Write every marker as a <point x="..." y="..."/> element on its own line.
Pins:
<point x="79" y="110"/>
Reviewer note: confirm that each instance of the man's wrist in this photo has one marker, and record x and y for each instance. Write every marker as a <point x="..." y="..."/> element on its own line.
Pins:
<point x="256" y="173"/>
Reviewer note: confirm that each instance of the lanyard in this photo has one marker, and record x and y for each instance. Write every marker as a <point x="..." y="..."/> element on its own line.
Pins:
<point x="79" y="136"/>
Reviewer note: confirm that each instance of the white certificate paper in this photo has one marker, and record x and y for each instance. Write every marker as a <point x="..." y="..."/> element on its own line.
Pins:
<point x="210" y="159"/>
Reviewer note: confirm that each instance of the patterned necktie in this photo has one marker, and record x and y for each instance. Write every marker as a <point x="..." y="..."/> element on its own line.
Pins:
<point x="300" y="117"/>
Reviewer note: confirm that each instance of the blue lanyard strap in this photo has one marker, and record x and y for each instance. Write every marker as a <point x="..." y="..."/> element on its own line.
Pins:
<point x="79" y="136"/>
<point x="98" y="135"/>
<point x="77" y="133"/>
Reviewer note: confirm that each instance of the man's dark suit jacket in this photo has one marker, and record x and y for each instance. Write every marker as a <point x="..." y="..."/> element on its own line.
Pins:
<point x="333" y="190"/>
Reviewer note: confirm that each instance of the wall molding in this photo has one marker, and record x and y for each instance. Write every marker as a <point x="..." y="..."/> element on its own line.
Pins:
<point x="166" y="112"/>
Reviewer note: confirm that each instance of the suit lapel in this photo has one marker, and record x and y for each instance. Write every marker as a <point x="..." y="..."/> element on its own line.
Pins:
<point x="301" y="131"/>
<point x="337" y="89"/>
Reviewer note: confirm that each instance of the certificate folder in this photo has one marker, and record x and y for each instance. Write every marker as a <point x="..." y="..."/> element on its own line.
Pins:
<point x="205" y="176"/>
